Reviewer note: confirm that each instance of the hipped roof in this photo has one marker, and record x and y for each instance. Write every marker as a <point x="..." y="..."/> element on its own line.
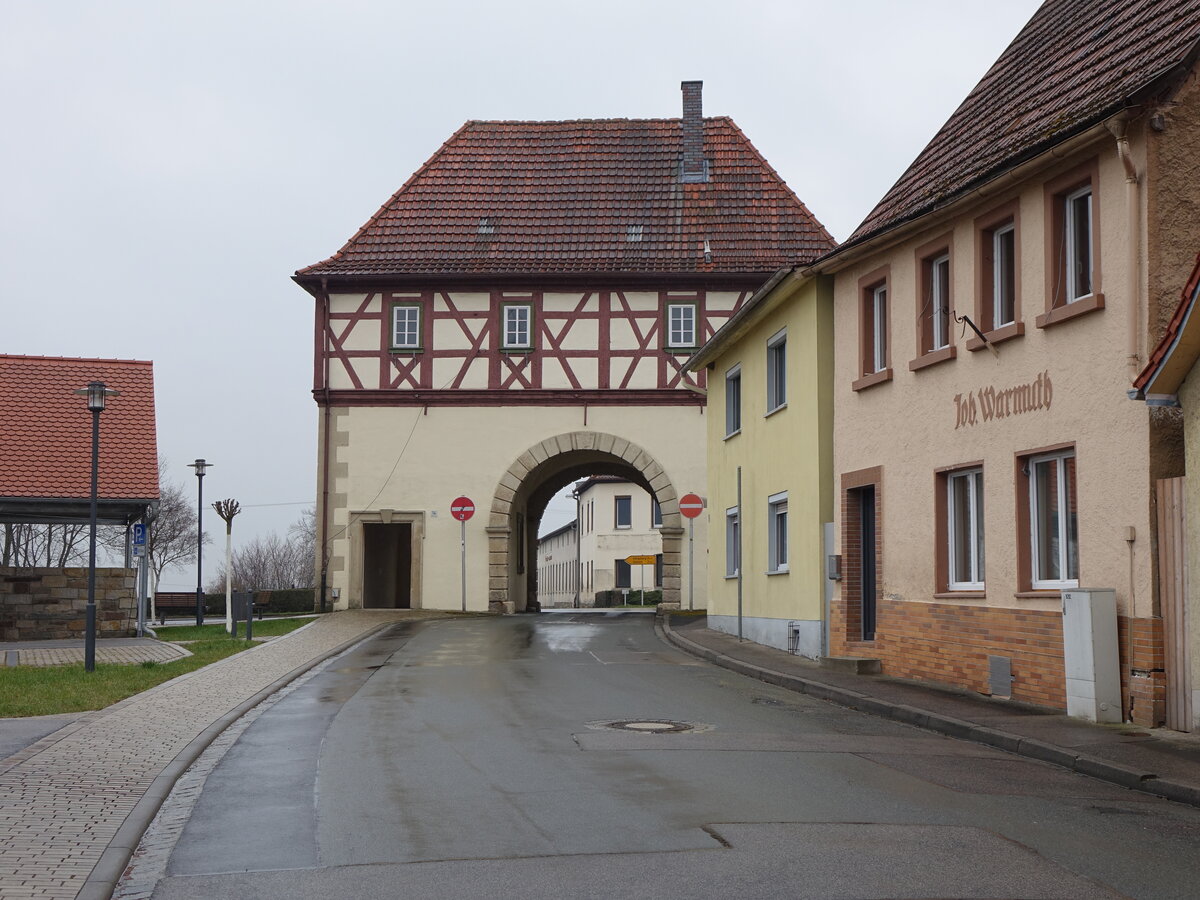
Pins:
<point x="584" y="196"/>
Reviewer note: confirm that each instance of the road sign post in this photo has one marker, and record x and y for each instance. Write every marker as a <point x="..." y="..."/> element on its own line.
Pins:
<point x="462" y="509"/>
<point x="690" y="506"/>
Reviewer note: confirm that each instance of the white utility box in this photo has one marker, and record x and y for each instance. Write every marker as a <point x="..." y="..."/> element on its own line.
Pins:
<point x="1090" y="655"/>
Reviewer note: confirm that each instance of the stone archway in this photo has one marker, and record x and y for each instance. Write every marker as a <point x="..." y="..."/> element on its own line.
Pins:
<point x="566" y="456"/>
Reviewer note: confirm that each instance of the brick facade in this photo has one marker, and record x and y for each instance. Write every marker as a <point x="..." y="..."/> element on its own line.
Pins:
<point x="51" y="604"/>
<point x="950" y="643"/>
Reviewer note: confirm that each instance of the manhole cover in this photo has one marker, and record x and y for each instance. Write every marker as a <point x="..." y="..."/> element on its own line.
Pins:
<point x="648" y="726"/>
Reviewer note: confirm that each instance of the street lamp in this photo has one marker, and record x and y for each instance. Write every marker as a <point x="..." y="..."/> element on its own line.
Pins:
<point x="96" y="394"/>
<point x="200" y="466"/>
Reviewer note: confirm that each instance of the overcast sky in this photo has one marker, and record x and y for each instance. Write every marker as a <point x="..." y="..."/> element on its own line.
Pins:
<point x="168" y="165"/>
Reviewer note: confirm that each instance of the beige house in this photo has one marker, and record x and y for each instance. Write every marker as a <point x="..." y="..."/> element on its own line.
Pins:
<point x="619" y="520"/>
<point x="990" y="315"/>
<point x="515" y="318"/>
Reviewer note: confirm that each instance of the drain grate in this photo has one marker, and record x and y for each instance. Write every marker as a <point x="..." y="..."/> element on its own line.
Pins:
<point x="648" y="726"/>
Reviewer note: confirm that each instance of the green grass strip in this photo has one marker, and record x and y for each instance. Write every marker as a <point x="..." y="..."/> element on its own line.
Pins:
<point x="265" y="628"/>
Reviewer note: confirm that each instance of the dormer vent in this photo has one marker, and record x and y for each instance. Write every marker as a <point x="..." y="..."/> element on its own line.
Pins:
<point x="487" y="225"/>
<point x="693" y="166"/>
<point x="633" y="233"/>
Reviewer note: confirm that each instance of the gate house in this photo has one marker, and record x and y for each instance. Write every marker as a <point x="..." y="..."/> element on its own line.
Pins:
<point x="516" y="317"/>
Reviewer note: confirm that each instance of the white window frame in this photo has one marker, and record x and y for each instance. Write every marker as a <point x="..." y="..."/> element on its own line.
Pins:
<point x="973" y="578"/>
<point x="777" y="371"/>
<point x="617" y="512"/>
<point x="1071" y="244"/>
<point x="939" y="301"/>
<point x="516" y="318"/>
<point x="733" y="401"/>
<point x="879" y="327"/>
<point x="1065" y="554"/>
<point x="655" y="513"/>
<point x="681" y="330"/>
<point x="415" y="323"/>
<point x="777" y="533"/>
<point x="1000" y="316"/>
<point x="733" y="523"/>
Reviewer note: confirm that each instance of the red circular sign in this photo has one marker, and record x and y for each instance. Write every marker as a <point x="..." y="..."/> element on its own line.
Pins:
<point x="690" y="506"/>
<point x="462" y="509"/>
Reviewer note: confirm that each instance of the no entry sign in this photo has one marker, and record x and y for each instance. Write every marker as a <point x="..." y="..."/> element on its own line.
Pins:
<point x="462" y="509"/>
<point x="690" y="506"/>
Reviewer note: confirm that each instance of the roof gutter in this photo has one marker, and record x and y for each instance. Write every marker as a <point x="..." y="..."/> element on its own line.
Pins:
<point x="849" y="253"/>
<point x="770" y="293"/>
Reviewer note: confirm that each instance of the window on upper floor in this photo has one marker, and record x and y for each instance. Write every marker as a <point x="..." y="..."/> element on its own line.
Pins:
<point x="406" y="326"/>
<point x="997" y="276"/>
<point x="777" y="371"/>
<point x="1072" y="246"/>
<point x="1001" y="280"/>
<point x="777" y="533"/>
<point x="733" y="401"/>
<point x="655" y="514"/>
<point x="623" y="512"/>
<point x="935" y="306"/>
<point x="874" y="329"/>
<point x="516" y="326"/>
<point x="681" y="326"/>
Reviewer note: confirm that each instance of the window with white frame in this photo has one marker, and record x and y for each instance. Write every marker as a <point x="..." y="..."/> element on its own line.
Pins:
<point x="937" y="328"/>
<point x="964" y="529"/>
<point x="1053" y="521"/>
<point x="733" y="547"/>
<point x="655" y="514"/>
<point x="777" y="371"/>
<point x="777" y="532"/>
<point x="681" y="325"/>
<point x="1004" y="276"/>
<point x="517" y="326"/>
<point x="877" y="359"/>
<point x="1077" y="240"/>
<point x="406" y="326"/>
<point x="623" y="512"/>
<point x="733" y="401"/>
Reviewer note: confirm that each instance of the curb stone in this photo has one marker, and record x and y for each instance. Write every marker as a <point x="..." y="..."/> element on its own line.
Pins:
<point x="102" y="880"/>
<point x="1095" y="767"/>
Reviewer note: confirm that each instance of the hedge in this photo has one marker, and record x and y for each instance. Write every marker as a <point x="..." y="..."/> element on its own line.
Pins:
<point x="292" y="600"/>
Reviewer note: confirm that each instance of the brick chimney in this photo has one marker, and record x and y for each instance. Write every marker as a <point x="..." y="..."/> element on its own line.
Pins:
<point x="694" y="168"/>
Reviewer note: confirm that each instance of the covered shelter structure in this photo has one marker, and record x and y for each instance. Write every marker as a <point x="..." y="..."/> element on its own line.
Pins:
<point x="45" y="480"/>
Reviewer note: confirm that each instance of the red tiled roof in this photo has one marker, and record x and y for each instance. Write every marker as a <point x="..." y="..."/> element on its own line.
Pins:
<point x="1173" y="358"/>
<point x="562" y="197"/>
<point x="46" y="430"/>
<point x="1074" y="64"/>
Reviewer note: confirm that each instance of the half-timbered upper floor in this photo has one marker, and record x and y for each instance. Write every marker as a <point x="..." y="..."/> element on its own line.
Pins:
<point x="555" y="258"/>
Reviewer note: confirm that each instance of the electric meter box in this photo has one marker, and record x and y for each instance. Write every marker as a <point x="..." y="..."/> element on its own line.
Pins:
<point x="1090" y="654"/>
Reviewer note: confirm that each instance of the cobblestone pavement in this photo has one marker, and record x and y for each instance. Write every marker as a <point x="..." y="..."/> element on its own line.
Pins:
<point x="63" y="799"/>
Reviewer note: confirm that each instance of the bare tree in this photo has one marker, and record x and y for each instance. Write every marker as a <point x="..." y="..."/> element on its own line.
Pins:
<point x="271" y="562"/>
<point x="28" y="545"/>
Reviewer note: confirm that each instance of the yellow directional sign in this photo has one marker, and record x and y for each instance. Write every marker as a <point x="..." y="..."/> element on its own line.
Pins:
<point x="641" y="560"/>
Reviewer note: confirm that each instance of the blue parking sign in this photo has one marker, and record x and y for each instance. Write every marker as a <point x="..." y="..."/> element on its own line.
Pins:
<point x="139" y="535"/>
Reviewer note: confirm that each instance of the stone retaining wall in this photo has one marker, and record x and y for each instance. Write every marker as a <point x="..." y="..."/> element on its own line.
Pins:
<point x="51" y="604"/>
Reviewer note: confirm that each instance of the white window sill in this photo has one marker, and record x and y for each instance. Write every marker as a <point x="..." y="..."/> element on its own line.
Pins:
<point x="731" y="577"/>
<point x="732" y="434"/>
<point x="782" y="571"/>
<point x="772" y="412"/>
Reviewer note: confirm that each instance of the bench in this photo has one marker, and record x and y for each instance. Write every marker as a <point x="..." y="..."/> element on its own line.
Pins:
<point x="185" y="602"/>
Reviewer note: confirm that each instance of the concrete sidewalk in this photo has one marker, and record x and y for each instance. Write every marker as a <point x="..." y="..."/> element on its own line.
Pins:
<point x="1157" y="761"/>
<point x="74" y="804"/>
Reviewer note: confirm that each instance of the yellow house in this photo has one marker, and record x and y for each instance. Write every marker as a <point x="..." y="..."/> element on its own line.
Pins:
<point x="770" y="468"/>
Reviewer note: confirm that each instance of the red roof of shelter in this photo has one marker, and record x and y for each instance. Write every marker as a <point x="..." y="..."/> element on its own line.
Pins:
<point x="46" y="430"/>
<point x="567" y="197"/>
<point x="1074" y="64"/>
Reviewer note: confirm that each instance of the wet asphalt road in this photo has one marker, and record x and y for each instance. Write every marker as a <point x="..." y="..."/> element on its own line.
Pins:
<point x="476" y="758"/>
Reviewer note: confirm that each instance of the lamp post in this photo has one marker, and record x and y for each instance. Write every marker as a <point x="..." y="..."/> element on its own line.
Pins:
<point x="200" y="466"/>
<point x="96" y="394"/>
